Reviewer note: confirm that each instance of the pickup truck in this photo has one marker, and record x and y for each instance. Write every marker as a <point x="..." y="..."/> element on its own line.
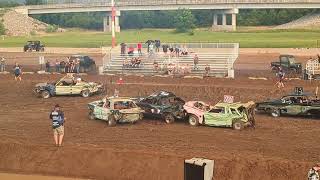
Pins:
<point x="287" y="63"/>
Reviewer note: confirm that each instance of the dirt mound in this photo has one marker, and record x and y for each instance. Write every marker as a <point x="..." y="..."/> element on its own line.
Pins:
<point x="18" y="24"/>
<point x="308" y="21"/>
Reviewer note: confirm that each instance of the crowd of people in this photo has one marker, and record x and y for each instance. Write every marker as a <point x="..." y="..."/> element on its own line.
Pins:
<point x="71" y="65"/>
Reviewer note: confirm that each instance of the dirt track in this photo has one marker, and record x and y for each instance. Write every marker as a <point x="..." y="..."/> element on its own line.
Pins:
<point x="281" y="148"/>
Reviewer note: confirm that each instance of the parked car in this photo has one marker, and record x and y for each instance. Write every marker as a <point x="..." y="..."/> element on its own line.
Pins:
<point x="68" y="85"/>
<point x="164" y="105"/>
<point x="288" y="64"/>
<point x="235" y="115"/>
<point x="115" y="110"/>
<point x="297" y="104"/>
<point x="33" y="46"/>
<point x="87" y="64"/>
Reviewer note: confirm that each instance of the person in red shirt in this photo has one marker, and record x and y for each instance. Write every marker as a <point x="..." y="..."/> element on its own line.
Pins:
<point x="140" y="48"/>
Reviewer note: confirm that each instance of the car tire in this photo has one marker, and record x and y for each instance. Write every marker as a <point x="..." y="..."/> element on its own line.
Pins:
<point x="275" y="113"/>
<point x="140" y="116"/>
<point x="111" y="121"/>
<point x="85" y="93"/>
<point x="91" y="115"/>
<point x="169" y="118"/>
<point x="313" y="175"/>
<point x="193" y="120"/>
<point x="237" y="125"/>
<point x="45" y="94"/>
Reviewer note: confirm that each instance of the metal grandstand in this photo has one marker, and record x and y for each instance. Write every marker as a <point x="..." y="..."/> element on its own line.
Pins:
<point x="220" y="57"/>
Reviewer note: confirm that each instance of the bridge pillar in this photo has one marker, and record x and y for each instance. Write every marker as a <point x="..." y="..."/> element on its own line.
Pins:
<point x="107" y="22"/>
<point x="220" y="20"/>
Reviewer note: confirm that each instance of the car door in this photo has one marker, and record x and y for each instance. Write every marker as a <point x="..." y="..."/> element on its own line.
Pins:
<point x="216" y="117"/>
<point x="102" y="112"/>
<point x="76" y="88"/>
<point x="62" y="89"/>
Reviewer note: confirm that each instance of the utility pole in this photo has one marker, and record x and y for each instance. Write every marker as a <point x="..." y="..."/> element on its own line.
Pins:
<point x="113" y="24"/>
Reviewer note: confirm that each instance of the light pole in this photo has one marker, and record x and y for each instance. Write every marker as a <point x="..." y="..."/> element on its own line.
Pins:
<point x="113" y="14"/>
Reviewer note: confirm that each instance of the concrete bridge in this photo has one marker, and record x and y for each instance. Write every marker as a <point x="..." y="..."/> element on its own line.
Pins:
<point x="224" y="17"/>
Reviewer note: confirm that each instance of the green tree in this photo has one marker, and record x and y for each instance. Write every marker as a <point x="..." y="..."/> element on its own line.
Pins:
<point x="184" y="20"/>
<point x="2" y="28"/>
<point x="33" y="2"/>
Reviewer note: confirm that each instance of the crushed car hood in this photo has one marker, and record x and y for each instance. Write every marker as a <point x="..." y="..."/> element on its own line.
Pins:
<point x="41" y="84"/>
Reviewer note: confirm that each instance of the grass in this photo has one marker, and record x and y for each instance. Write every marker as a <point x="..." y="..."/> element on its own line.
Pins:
<point x="246" y="38"/>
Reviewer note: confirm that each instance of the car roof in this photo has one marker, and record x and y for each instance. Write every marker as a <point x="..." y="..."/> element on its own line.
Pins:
<point x="302" y="94"/>
<point x="162" y="94"/>
<point x="235" y="105"/>
<point x="119" y="99"/>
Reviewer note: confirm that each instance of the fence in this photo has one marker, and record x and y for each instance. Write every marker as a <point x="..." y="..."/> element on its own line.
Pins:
<point x="313" y="68"/>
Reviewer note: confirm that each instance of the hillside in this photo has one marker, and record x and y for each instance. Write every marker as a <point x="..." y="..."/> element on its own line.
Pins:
<point x="309" y="21"/>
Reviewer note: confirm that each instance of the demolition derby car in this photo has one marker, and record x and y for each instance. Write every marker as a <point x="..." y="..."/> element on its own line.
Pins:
<point x="297" y="104"/>
<point x="314" y="172"/>
<point x="235" y="115"/>
<point x="164" y="105"/>
<point x="68" y="85"/>
<point x="115" y="110"/>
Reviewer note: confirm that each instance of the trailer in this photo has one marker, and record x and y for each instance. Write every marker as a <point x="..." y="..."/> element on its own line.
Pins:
<point x="312" y="70"/>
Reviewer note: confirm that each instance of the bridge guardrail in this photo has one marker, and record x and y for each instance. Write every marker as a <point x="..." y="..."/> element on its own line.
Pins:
<point x="172" y="2"/>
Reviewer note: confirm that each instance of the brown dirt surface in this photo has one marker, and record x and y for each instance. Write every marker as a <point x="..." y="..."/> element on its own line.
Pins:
<point x="277" y="149"/>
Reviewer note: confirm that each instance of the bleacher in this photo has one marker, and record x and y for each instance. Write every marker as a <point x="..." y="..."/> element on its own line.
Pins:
<point x="220" y="63"/>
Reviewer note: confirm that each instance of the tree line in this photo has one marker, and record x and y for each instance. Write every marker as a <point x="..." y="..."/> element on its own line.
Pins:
<point x="183" y="20"/>
<point x="168" y="19"/>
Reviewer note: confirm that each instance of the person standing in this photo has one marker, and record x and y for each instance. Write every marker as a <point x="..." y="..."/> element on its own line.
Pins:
<point x="123" y="49"/>
<point x="139" y="46"/>
<point x="57" y="66"/>
<point x="58" y="120"/>
<point x="3" y="65"/>
<point x="280" y="76"/>
<point x="17" y="72"/>
<point x="207" y="70"/>
<point x="47" y="66"/>
<point x="195" y="62"/>
<point x="78" y="65"/>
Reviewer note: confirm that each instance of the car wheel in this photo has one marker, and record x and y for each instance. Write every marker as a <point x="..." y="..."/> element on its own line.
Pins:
<point x="91" y="115"/>
<point x="237" y="125"/>
<point x="169" y="118"/>
<point x="193" y="120"/>
<point x="85" y="93"/>
<point x="140" y="116"/>
<point x="45" y="94"/>
<point x="275" y="113"/>
<point x="111" y="121"/>
<point x="313" y="175"/>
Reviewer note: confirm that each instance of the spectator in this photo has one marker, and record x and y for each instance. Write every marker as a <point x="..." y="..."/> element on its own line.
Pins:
<point x="148" y="43"/>
<point x="71" y="66"/>
<point x="165" y="48"/>
<point x="77" y="65"/>
<point x="156" y="66"/>
<point x="130" y="51"/>
<point x="280" y="76"/>
<point x="3" y="65"/>
<point x="125" y="64"/>
<point x="184" y="51"/>
<point x="318" y="56"/>
<point x="207" y="70"/>
<point x="151" y="49"/>
<point x="177" y="51"/>
<point x="58" y="120"/>
<point x="62" y="67"/>
<point x="157" y="44"/>
<point x="17" y="72"/>
<point x="123" y="48"/>
<point x="139" y="46"/>
<point x="195" y="62"/>
<point x="47" y="66"/>
<point x="57" y="66"/>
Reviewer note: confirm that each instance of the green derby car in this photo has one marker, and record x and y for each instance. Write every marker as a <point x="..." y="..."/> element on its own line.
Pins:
<point x="235" y="115"/>
<point x="115" y="110"/>
<point x="68" y="85"/>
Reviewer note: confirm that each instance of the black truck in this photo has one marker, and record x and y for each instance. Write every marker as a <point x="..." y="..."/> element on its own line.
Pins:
<point x="33" y="46"/>
<point x="288" y="64"/>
